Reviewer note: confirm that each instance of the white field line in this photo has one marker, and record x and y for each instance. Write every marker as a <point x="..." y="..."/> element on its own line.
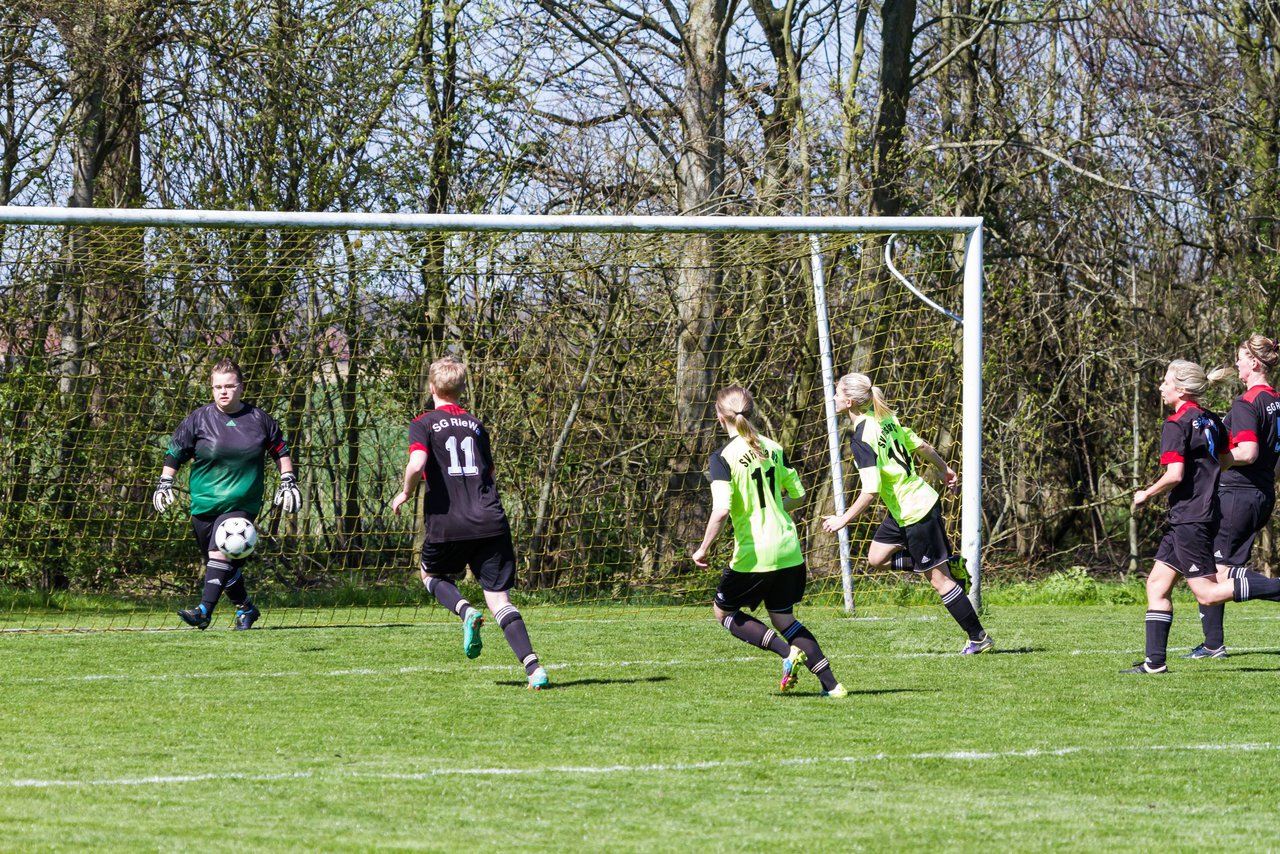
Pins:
<point x="677" y="767"/>
<point x="513" y="667"/>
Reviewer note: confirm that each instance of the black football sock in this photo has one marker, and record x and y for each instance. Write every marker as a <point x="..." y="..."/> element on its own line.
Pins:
<point x="234" y="587"/>
<point x="1256" y="586"/>
<point x="747" y="628"/>
<point x="216" y="574"/>
<point x="517" y="636"/>
<point x="448" y="595"/>
<point x="961" y="610"/>
<point x="1158" y="625"/>
<point x="1211" y="623"/>
<point x="902" y="561"/>
<point x="797" y="635"/>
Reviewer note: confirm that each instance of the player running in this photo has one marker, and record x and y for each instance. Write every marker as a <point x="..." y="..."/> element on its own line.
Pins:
<point x="228" y="441"/>
<point x="912" y="537"/>
<point x="748" y="478"/>
<point x="465" y="521"/>
<point x="1193" y="450"/>
<point x="1247" y="490"/>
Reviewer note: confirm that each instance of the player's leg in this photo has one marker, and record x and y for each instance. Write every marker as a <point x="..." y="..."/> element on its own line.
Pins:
<point x="216" y="571"/>
<point x="440" y="563"/>
<point x="930" y="553"/>
<point x="1159" y="616"/>
<point x="494" y="563"/>
<point x="785" y="592"/>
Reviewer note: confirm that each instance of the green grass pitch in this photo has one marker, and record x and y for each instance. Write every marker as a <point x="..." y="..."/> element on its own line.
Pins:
<point x="661" y="732"/>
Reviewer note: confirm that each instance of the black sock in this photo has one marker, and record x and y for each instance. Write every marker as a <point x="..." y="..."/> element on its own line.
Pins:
<point x="902" y="561"/>
<point x="234" y="586"/>
<point x="1256" y="586"/>
<point x="797" y="635"/>
<point x="216" y="574"/>
<point x="1211" y="622"/>
<point x="517" y="636"/>
<point x="1158" y="625"/>
<point x="961" y="610"/>
<point x="744" y="627"/>
<point x="448" y="595"/>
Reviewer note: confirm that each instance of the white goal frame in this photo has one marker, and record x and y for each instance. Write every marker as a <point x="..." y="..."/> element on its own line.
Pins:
<point x="970" y="318"/>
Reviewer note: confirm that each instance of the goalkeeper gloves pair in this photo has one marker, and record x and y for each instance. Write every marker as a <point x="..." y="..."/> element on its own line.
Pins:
<point x="288" y="496"/>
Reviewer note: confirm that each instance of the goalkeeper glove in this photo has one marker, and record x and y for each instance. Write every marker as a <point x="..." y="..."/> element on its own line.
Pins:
<point x="288" y="497"/>
<point x="163" y="496"/>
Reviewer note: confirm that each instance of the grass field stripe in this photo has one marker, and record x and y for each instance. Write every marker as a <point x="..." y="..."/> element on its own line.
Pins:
<point x="677" y="767"/>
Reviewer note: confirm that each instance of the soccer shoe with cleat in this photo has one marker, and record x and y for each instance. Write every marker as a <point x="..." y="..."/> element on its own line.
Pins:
<point x="471" y="643"/>
<point x="1145" y="667"/>
<point x="195" y="617"/>
<point x="791" y="668"/>
<point x="981" y="645"/>
<point x="538" y="679"/>
<point x="246" y="617"/>
<point x="1203" y="651"/>
<point x="837" y="693"/>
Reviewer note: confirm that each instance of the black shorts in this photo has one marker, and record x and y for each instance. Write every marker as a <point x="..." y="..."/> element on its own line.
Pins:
<point x="780" y="590"/>
<point x="1244" y="513"/>
<point x="492" y="560"/>
<point x="926" y="540"/>
<point x="1188" y="548"/>
<point x="206" y="523"/>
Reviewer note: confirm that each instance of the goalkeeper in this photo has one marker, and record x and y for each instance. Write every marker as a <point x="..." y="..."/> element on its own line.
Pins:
<point x="911" y="538"/>
<point x="227" y="440"/>
<point x="748" y="477"/>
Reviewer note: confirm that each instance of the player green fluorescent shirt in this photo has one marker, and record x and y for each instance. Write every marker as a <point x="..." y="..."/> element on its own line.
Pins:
<point x="882" y="452"/>
<point x="764" y="535"/>
<point x="227" y="453"/>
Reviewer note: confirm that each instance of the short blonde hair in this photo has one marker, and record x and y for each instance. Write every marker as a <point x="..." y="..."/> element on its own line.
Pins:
<point x="448" y="375"/>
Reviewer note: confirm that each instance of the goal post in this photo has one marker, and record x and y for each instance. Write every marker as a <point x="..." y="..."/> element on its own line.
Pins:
<point x="583" y="338"/>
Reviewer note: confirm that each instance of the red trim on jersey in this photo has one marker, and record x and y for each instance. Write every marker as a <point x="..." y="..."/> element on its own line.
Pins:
<point x="1252" y="394"/>
<point x="1186" y="404"/>
<point x="451" y="408"/>
<point x="1243" y="436"/>
<point x="1171" y="457"/>
<point x="418" y="446"/>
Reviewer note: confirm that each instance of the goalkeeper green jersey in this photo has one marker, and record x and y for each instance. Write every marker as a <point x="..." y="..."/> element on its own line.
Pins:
<point x="227" y="453"/>
<point x="765" y="537"/>
<point x="882" y="452"/>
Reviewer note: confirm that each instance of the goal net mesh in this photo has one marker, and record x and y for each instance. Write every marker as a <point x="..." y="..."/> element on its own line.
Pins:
<point x="593" y="357"/>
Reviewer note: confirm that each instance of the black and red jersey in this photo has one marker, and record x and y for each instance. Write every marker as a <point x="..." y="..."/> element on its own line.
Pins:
<point x="1194" y="437"/>
<point x="462" y="500"/>
<point x="1252" y="418"/>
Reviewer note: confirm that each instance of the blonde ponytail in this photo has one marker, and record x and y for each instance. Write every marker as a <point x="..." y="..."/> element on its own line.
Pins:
<point x="735" y="406"/>
<point x="858" y="389"/>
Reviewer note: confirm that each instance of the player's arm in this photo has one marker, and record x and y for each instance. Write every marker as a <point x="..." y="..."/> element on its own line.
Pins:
<point x="832" y="524"/>
<point x="288" y="496"/>
<point x="1172" y="477"/>
<point x="721" y="498"/>
<point x="948" y="474"/>
<point x="412" y="477"/>
<point x="181" y="448"/>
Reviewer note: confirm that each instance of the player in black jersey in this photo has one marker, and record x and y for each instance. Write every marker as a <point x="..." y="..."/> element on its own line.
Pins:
<point x="1193" y="449"/>
<point x="227" y="441"/>
<point x="1247" y="490"/>
<point x="463" y="515"/>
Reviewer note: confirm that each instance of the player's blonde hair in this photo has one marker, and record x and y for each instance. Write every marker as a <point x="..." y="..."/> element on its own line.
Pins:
<point x="449" y="375"/>
<point x="227" y="366"/>
<point x="859" y="390"/>
<point x="1189" y="377"/>
<point x="1261" y="348"/>
<point x="735" y="406"/>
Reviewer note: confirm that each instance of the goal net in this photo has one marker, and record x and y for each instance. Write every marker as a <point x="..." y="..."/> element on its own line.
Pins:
<point x="595" y="347"/>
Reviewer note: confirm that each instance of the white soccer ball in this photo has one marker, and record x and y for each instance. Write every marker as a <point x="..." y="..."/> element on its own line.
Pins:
<point x="236" y="537"/>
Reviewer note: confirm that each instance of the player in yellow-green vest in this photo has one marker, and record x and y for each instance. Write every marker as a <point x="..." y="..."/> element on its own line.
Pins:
<point x="912" y="537"/>
<point x="751" y="485"/>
